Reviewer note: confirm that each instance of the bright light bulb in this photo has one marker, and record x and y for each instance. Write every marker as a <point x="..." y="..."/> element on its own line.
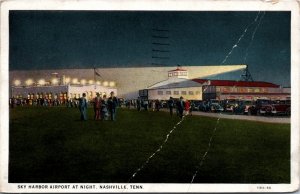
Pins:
<point x="75" y="81"/>
<point x="91" y="81"/>
<point x="29" y="82"/>
<point x="83" y="81"/>
<point x="17" y="82"/>
<point x="105" y="83"/>
<point x="54" y="81"/>
<point x="67" y="80"/>
<point x="112" y="84"/>
<point x="41" y="82"/>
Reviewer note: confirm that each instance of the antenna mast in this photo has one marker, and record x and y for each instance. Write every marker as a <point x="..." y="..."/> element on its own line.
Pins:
<point x="246" y="76"/>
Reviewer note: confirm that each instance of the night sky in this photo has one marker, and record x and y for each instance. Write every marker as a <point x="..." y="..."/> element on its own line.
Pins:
<point x="84" y="39"/>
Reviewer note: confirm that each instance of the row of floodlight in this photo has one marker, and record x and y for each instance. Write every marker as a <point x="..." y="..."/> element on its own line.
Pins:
<point x="57" y="81"/>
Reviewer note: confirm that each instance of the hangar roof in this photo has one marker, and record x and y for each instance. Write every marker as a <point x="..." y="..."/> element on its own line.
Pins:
<point x="237" y="83"/>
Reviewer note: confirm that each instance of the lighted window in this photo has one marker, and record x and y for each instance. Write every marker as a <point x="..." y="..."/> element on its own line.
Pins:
<point x="264" y="89"/>
<point x="226" y="89"/>
<point x="242" y="90"/>
<point x="250" y="90"/>
<point x="191" y="93"/>
<point x="218" y="89"/>
<point x="168" y="92"/>
<point x="176" y="92"/>
<point x="170" y="74"/>
<point x="257" y="90"/>
<point x="160" y="92"/>
<point x="183" y="92"/>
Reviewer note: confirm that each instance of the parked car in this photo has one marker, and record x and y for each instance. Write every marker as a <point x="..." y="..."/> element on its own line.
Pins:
<point x="279" y="107"/>
<point x="204" y="106"/>
<point x="261" y="106"/>
<point x="243" y="106"/>
<point x="216" y="107"/>
<point x="196" y="105"/>
<point x="230" y="105"/>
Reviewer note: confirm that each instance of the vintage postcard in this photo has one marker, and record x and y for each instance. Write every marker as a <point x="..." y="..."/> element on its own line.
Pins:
<point x="149" y="96"/>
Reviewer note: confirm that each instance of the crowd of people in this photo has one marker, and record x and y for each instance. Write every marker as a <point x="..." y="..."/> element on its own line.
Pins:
<point x="40" y="102"/>
<point x="105" y="107"/>
<point x="179" y="105"/>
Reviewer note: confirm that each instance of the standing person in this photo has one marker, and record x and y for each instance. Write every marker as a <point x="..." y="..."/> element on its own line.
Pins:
<point x="180" y="107"/>
<point x="146" y="105"/>
<point x="187" y="106"/>
<point x="97" y="107"/>
<point x="153" y="105"/>
<point x="157" y="105"/>
<point x="104" y="110"/>
<point x="83" y="107"/>
<point x="13" y="102"/>
<point x="192" y="107"/>
<point x="171" y="105"/>
<point x="138" y="103"/>
<point x="112" y="105"/>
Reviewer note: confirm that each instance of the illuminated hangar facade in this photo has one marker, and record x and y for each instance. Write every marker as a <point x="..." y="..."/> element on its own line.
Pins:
<point x="125" y="82"/>
<point x="179" y="84"/>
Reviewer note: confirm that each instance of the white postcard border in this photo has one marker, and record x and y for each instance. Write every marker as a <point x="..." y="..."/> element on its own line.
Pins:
<point x="189" y="5"/>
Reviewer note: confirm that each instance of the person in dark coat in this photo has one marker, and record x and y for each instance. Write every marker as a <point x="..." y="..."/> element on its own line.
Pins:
<point x="112" y="105"/>
<point x="171" y="105"/>
<point x="138" y="103"/>
<point x="83" y="107"/>
<point x="180" y="107"/>
<point x="157" y="105"/>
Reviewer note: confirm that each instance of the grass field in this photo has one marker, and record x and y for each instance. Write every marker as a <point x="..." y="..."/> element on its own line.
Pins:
<point x="51" y="145"/>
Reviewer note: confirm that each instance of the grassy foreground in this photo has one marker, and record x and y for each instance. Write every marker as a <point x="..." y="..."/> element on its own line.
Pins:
<point x="51" y="145"/>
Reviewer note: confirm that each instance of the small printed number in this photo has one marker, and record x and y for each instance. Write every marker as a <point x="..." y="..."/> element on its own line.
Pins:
<point x="263" y="187"/>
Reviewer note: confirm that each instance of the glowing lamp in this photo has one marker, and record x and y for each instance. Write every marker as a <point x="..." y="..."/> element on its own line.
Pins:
<point x="75" y="81"/>
<point x="17" y="82"/>
<point x="112" y="84"/>
<point x="67" y="80"/>
<point x="54" y="81"/>
<point x="105" y="83"/>
<point x="41" y="82"/>
<point x="83" y="81"/>
<point x="29" y="82"/>
<point x="91" y="81"/>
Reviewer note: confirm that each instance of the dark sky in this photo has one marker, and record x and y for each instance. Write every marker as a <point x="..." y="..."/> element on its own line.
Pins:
<point x="83" y="39"/>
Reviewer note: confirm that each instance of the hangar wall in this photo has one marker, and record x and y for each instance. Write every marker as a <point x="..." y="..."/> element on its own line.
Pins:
<point x="129" y="80"/>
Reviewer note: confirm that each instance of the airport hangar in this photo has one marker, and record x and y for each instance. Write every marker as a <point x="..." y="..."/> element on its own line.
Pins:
<point x="129" y="82"/>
